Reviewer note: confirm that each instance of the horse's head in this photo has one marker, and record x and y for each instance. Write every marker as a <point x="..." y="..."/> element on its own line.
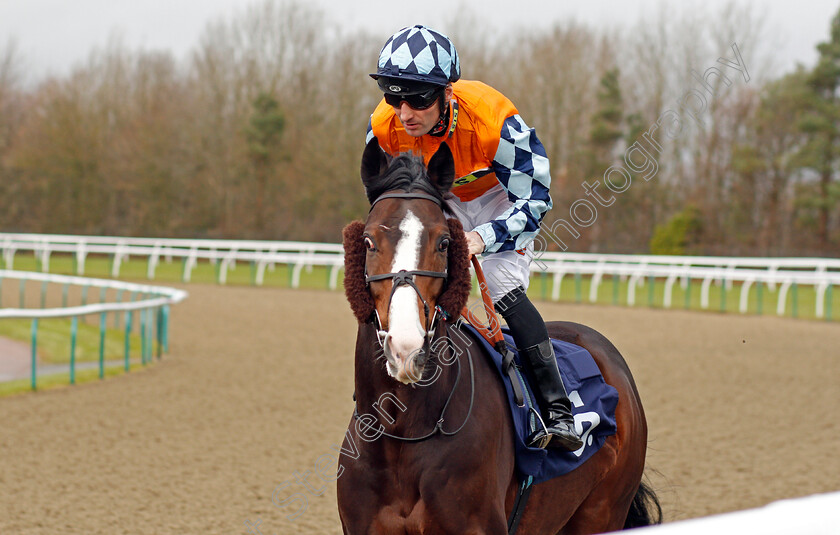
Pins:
<point x="407" y="264"/>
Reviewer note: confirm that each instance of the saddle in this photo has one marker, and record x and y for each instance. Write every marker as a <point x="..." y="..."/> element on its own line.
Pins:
<point x="593" y="401"/>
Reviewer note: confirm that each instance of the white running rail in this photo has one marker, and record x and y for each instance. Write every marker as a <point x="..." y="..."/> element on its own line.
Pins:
<point x="812" y="515"/>
<point x="777" y="274"/>
<point x="154" y="296"/>
<point x="150" y="303"/>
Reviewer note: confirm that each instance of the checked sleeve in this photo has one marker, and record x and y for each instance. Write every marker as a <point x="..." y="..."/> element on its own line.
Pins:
<point x="521" y="166"/>
<point x="369" y="133"/>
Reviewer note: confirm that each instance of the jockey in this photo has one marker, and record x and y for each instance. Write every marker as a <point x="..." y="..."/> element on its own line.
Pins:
<point x="501" y="188"/>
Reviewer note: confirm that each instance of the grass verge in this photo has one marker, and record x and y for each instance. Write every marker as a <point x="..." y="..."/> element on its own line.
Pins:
<point x="54" y="340"/>
<point x="59" y="380"/>
<point x="761" y="300"/>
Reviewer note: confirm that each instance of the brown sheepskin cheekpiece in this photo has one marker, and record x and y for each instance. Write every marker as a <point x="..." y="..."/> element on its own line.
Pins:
<point x="361" y="302"/>
<point x="458" y="284"/>
<point x="456" y="290"/>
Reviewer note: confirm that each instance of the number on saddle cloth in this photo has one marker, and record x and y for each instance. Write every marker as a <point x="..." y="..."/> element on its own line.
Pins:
<point x="593" y="408"/>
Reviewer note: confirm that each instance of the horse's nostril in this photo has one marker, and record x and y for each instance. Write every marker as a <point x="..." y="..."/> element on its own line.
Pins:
<point x="405" y="361"/>
<point x="406" y="350"/>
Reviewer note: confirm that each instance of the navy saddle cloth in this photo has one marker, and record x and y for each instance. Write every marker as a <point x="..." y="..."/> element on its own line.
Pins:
<point x="593" y="407"/>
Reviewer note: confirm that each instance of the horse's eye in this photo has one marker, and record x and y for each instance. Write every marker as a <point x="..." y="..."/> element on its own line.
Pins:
<point x="443" y="245"/>
<point x="369" y="244"/>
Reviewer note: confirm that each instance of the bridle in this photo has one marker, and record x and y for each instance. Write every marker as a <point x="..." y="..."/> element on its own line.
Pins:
<point x="439" y="424"/>
<point x="406" y="277"/>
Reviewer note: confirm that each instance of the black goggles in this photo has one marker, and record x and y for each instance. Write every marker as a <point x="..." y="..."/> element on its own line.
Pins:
<point x="417" y="101"/>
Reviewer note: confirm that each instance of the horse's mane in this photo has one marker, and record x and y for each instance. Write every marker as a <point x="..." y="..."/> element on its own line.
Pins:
<point x="405" y="172"/>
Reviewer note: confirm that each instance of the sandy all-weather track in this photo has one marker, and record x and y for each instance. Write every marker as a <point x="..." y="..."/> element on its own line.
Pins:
<point x="742" y="411"/>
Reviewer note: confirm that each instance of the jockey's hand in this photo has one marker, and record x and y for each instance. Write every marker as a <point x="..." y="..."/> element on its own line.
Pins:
<point x="475" y="243"/>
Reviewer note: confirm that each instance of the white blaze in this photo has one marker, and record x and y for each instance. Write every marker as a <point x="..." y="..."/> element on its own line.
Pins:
<point x="406" y="331"/>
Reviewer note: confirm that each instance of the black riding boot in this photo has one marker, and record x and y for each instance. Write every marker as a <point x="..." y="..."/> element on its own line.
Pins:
<point x="554" y="402"/>
<point x="531" y="337"/>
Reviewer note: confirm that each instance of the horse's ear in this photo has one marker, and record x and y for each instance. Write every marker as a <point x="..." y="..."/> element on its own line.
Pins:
<point x="442" y="168"/>
<point x="374" y="163"/>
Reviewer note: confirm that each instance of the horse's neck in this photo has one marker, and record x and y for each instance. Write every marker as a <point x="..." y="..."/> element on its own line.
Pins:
<point x="382" y="397"/>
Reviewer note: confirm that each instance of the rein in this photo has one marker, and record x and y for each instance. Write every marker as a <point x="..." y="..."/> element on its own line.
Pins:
<point x="493" y="333"/>
<point x="439" y="425"/>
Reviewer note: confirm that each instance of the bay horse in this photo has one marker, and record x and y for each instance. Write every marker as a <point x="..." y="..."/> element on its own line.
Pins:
<point x="429" y="449"/>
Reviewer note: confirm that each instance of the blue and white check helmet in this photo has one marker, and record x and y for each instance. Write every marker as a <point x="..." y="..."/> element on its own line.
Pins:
<point x="419" y="54"/>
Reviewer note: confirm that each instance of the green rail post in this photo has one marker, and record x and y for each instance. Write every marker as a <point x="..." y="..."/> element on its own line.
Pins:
<point x="759" y="294"/>
<point x="74" y="328"/>
<point x="152" y="332"/>
<point x="44" y="294"/>
<point x="795" y="292"/>
<point x="84" y="300"/>
<point x="166" y="328"/>
<point x="722" y="295"/>
<point x="828" y="300"/>
<point x="150" y="329"/>
<point x="578" y="289"/>
<point x="102" y="322"/>
<point x="22" y="293"/>
<point x="34" y="379"/>
<point x="127" y="342"/>
<point x="254" y="273"/>
<point x="102" y="294"/>
<point x="651" y="282"/>
<point x="143" y="337"/>
<point x="159" y="331"/>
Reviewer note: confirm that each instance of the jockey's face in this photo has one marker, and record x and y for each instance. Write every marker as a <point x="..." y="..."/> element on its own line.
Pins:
<point x="419" y="122"/>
